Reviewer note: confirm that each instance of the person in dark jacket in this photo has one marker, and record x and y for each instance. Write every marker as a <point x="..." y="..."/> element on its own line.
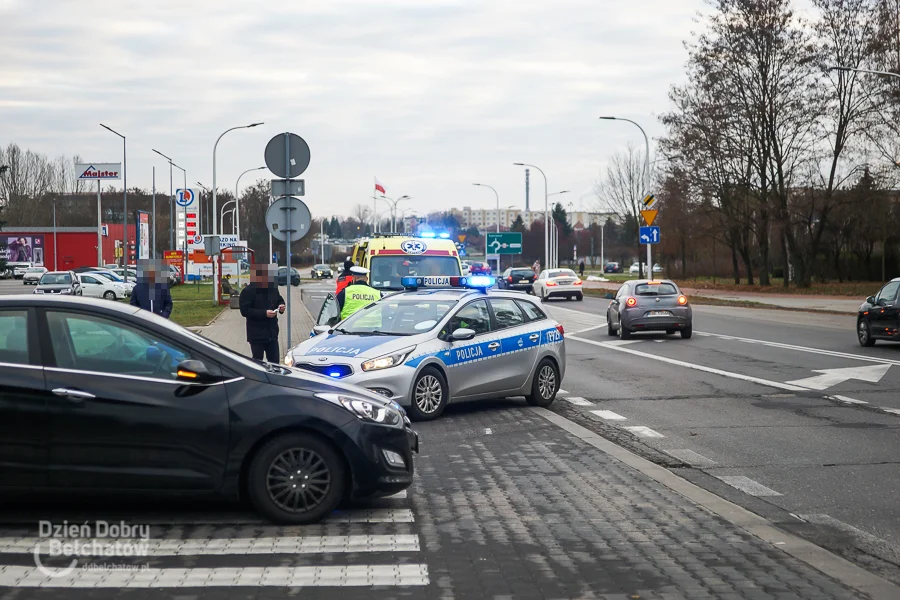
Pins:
<point x="345" y="278"/>
<point x="152" y="291"/>
<point x="261" y="303"/>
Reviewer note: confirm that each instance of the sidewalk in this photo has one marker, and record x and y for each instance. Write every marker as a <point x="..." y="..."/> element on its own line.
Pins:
<point x="229" y="328"/>
<point x="793" y="301"/>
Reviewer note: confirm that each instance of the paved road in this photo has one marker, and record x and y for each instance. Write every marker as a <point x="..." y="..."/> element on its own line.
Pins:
<point x="14" y="286"/>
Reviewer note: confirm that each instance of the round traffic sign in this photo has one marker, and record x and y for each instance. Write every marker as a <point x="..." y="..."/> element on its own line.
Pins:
<point x="287" y="160"/>
<point x="288" y="213"/>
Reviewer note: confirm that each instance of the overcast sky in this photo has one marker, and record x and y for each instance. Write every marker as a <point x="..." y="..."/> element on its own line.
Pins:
<point x="427" y="95"/>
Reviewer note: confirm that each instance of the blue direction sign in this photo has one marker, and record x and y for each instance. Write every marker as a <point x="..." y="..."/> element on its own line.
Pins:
<point x="649" y="235"/>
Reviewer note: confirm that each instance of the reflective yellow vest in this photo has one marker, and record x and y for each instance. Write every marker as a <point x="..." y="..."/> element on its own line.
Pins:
<point x="358" y="296"/>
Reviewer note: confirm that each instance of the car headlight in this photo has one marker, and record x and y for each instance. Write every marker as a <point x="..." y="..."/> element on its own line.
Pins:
<point x="66" y="291"/>
<point x="387" y="361"/>
<point x="289" y="360"/>
<point x="368" y="410"/>
<point x="38" y="291"/>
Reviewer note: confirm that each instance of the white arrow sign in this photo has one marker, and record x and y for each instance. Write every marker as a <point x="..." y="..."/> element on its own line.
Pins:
<point x="832" y="377"/>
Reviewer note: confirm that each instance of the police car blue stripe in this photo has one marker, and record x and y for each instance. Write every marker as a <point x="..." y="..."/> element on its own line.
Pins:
<point x="460" y="355"/>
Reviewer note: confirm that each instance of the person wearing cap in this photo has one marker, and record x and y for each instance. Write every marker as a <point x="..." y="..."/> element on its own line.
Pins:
<point x="358" y="294"/>
<point x="346" y="276"/>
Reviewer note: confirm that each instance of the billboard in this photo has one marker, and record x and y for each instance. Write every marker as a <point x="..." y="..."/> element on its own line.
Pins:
<point x="98" y="171"/>
<point x="143" y="241"/>
<point x="24" y="248"/>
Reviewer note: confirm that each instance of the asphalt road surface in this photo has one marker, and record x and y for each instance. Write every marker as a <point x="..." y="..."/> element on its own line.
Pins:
<point x="778" y="411"/>
<point x="14" y="286"/>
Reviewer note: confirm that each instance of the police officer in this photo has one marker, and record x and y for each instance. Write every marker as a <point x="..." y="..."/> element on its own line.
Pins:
<point x="346" y="276"/>
<point x="358" y="294"/>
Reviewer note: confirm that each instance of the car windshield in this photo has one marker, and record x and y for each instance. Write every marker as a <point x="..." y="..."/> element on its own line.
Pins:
<point x="108" y="275"/>
<point x="321" y="267"/>
<point x="655" y="289"/>
<point x="35" y="270"/>
<point x="397" y="317"/>
<point x="562" y="273"/>
<point x="387" y="270"/>
<point x="56" y="279"/>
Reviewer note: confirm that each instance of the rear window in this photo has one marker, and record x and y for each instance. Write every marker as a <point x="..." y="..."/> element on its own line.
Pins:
<point x="562" y="273"/>
<point x="522" y="273"/>
<point x="657" y="289"/>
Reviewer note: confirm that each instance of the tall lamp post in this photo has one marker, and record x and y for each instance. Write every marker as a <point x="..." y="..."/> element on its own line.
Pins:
<point x="554" y="247"/>
<point x="646" y="178"/>
<point x="237" y="205"/>
<point x="883" y="74"/>
<point x="215" y="227"/>
<point x="546" y="214"/>
<point x="497" y="196"/>
<point x="171" y="197"/>
<point x="125" y="196"/>
<point x="393" y="203"/>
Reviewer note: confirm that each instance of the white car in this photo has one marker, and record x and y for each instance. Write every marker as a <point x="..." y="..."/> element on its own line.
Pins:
<point x="636" y="269"/>
<point x="559" y="283"/>
<point x="96" y="285"/>
<point x="33" y="275"/>
<point x="465" y="267"/>
<point x="19" y="269"/>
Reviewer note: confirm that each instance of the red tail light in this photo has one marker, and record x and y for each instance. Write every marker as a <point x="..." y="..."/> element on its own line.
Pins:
<point x="509" y="279"/>
<point x="579" y="282"/>
<point x="682" y="300"/>
<point x="551" y="284"/>
<point x="631" y="302"/>
<point x="561" y="330"/>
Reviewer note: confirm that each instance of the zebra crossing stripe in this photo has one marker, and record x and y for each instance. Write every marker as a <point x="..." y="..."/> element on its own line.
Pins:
<point x="335" y="544"/>
<point x="336" y="576"/>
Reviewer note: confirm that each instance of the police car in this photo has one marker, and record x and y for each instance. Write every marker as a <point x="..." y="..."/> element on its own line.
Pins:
<point x="443" y="339"/>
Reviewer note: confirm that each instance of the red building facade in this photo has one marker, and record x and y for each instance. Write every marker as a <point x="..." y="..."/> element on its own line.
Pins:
<point x="69" y="248"/>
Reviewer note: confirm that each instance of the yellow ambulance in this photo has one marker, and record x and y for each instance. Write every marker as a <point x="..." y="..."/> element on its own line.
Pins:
<point x="392" y="256"/>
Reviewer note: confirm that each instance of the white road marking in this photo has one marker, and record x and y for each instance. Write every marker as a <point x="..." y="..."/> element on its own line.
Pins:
<point x="696" y="367"/>
<point x="747" y="485"/>
<point x="861" y="357"/>
<point x="561" y="391"/>
<point x="618" y="342"/>
<point x="578" y="401"/>
<point x="336" y="576"/>
<point x="821" y="519"/>
<point x="690" y="457"/>
<point x="337" y="544"/>
<point x="398" y="496"/>
<point x="642" y="431"/>
<point x="487" y="431"/>
<point x="603" y="324"/>
<point x="893" y="411"/>
<point x="608" y="415"/>
<point x="659" y="341"/>
<point x="846" y="399"/>
<point x="832" y="377"/>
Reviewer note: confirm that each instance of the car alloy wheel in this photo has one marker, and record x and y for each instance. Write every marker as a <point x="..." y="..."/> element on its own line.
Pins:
<point x="298" y="480"/>
<point x="864" y="334"/>
<point x="109" y="295"/>
<point x="545" y="384"/>
<point x="430" y="395"/>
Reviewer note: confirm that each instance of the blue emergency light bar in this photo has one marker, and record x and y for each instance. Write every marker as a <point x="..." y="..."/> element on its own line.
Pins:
<point x="475" y="282"/>
<point x="427" y="234"/>
<point x="444" y="235"/>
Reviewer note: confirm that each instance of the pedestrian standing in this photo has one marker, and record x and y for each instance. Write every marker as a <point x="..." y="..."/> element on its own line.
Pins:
<point x="261" y="303"/>
<point x="358" y="294"/>
<point x="152" y="290"/>
<point x="581" y="269"/>
<point x="536" y="267"/>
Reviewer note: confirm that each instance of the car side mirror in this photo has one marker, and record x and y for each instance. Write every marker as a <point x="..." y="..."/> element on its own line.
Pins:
<point x="871" y="299"/>
<point x="194" y="371"/>
<point x="320" y="329"/>
<point x="461" y="335"/>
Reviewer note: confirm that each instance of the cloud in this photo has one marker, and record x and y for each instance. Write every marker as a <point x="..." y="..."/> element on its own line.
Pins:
<point x="428" y="96"/>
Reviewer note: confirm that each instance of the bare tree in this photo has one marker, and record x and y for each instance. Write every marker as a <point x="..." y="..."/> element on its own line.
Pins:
<point x="621" y="190"/>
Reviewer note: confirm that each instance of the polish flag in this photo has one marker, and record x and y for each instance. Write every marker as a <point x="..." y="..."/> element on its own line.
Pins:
<point x="378" y="186"/>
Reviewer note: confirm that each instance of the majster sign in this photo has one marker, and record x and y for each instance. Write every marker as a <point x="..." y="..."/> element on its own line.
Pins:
<point x="98" y="171"/>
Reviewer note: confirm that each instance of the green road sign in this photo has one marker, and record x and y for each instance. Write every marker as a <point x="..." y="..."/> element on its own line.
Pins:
<point x="508" y="242"/>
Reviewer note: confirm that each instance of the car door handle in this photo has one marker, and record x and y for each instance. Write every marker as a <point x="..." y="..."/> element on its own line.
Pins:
<point x="493" y="345"/>
<point x="534" y="337"/>
<point x="73" y="395"/>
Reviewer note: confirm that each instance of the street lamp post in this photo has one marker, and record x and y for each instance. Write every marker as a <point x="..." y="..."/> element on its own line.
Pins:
<point x="215" y="227"/>
<point x="497" y="196"/>
<point x="554" y="247"/>
<point x="125" y="196"/>
<point x="646" y="179"/>
<point x="546" y="213"/>
<point x="393" y="204"/>
<point x="171" y="207"/>
<point x="237" y="212"/>
<point x="222" y="214"/>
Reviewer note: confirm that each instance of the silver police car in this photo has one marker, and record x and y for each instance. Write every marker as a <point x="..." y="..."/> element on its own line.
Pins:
<point x="444" y="339"/>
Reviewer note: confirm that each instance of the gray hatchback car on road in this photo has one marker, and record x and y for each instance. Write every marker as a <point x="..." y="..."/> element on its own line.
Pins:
<point x="648" y="305"/>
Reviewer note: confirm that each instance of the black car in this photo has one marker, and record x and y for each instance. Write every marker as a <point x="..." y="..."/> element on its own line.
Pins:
<point x="321" y="272"/>
<point x="59" y="282"/>
<point x="281" y="276"/>
<point x="517" y="278"/>
<point x="612" y="267"/>
<point x="110" y="398"/>
<point x="879" y="315"/>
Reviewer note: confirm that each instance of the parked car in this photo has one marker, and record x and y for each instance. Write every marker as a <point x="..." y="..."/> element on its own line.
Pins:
<point x="321" y="272"/>
<point x="479" y="268"/>
<point x="19" y="269"/>
<point x="465" y="267"/>
<point x="95" y="285"/>
<point x="635" y="269"/>
<point x="879" y="315"/>
<point x="558" y="283"/>
<point x="59" y="282"/>
<point x="612" y="267"/>
<point x="657" y="268"/>
<point x="281" y="276"/>
<point x="6" y="273"/>
<point x="33" y="275"/>
<point x="517" y="278"/>
<point x="649" y="306"/>
<point x="151" y="407"/>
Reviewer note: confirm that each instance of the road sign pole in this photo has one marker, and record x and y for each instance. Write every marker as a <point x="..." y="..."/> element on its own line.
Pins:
<point x="99" y="229"/>
<point x="287" y="247"/>
<point x="649" y="264"/>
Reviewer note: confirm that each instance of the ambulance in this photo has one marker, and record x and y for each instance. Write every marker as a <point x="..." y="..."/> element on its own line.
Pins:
<point x="390" y="257"/>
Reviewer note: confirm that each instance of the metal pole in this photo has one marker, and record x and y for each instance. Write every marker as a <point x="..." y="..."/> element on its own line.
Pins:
<point x="287" y="243"/>
<point x="55" y="247"/>
<point x="237" y="205"/>
<point x="99" y="229"/>
<point x="125" y="216"/>
<point x="153" y="250"/>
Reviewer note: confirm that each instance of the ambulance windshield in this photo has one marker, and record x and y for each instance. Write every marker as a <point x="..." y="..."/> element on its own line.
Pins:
<point x="387" y="271"/>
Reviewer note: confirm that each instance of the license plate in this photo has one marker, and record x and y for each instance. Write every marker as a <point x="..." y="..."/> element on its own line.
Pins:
<point x="524" y="281"/>
<point x="659" y="313"/>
